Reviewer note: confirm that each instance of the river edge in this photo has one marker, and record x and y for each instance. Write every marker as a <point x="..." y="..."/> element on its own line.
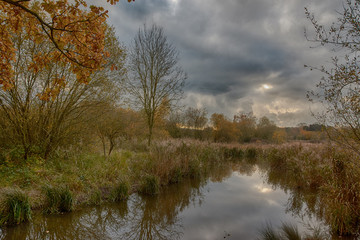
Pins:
<point x="92" y="179"/>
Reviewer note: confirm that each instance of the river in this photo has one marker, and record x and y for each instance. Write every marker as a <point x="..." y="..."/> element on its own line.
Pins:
<point x="232" y="202"/>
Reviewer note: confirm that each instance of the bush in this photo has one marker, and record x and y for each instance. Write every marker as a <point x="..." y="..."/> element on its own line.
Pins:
<point x="59" y="199"/>
<point x="15" y="208"/>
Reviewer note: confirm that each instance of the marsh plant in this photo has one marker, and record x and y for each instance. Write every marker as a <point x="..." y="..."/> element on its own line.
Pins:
<point x="120" y="192"/>
<point x="14" y="208"/>
<point x="150" y="185"/>
<point x="325" y="179"/>
<point x="59" y="199"/>
<point x="288" y="231"/>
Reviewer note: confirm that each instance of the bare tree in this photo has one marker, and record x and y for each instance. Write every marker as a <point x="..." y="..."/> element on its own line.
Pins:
<point x="155" y="80"/>
<point x="196" y="117"/>
<point x="339" y="88"/>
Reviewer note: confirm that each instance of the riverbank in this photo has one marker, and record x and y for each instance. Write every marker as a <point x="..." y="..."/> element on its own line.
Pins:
<point x="327" y="179"/>
<point x="91" y="179"/>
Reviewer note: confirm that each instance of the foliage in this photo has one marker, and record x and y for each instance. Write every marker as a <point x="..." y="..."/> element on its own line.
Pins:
<point x="14" y="208"/>
<point x="117" y="124"/>
<point x="265" y="128"/>
<point x="279" y="136"/>
<point x="224" y="129"/>
<point x="40" y="120"/>
<point x="155" y="79"/>
<point x="76" y="31"/>
<point x="245" y="124"/>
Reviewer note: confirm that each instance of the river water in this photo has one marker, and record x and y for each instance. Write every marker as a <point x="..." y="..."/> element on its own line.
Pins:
<point x="232" y="202"/>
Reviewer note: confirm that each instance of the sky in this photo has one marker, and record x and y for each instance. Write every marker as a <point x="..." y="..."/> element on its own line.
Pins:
<point x="240" y="55"/>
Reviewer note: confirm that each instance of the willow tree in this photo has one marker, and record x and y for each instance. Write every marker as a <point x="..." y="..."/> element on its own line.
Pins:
<point x="339" y="89"/>
<point x="155" y="81"/>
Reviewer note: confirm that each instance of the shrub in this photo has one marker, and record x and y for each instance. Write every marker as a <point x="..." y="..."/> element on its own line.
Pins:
<point x="15" y="208"/>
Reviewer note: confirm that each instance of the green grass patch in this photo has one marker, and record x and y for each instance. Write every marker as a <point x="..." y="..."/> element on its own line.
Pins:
<point x="120" y="192"/>
<point x="15" y="208"/>
<point x="58" y="199"/>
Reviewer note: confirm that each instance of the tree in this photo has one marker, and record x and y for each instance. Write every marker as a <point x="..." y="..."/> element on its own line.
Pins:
<point x="224" y="129"/>
<point x="195" y="117"/>
<point x="155" y="80"/>
<point x="245" y="124"/>
<point x="279" y="135"/>
<point x="40" y="120"/>
<point x="339" y="88"/>
<point x="114" y="125"/>
<point x="265" y="128"/>
<point x="76" y="31"/>
<point x="195" y="120"/>
<point x="174" y="124"/>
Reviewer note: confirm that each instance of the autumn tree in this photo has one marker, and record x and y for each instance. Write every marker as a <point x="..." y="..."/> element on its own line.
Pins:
<point x="116" y="125"/>
<point x="73" y="29"/>
<point x="265" y="128"/>
<point x="279" y="135"/>
<point x="245" y="124"/>
<point x="339" y="88"/>
<point x="45" y="106"/>
<point x="224" y="129"/>
<point x="155" y="80"/>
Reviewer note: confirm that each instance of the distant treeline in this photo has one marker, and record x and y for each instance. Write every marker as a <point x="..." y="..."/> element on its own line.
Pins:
<point x="243" y="128"/>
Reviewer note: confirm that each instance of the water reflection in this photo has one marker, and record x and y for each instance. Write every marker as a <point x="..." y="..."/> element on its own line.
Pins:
<point x="141" y="217"/>
<point x="231" y="201"/>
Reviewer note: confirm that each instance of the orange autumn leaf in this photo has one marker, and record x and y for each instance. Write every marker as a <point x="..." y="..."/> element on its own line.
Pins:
<point x="75" y="30"/>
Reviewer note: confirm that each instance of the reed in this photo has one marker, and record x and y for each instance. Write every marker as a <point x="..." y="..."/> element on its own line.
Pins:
<point x="120" y="192"/>
<point x="58" y="199"/>
<point x="15" y="208"/>
<point x="150" y="185"/>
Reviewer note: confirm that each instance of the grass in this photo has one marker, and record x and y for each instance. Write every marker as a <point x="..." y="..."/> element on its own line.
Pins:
<point x="15" y="208"/>
<point x="120" y="192"/>
<point x="327" y="178"/>
<point x="287" y="231"/>
<point x="268" y="233"/>
<point x="93" y="179"/>
<point x="150" y="185"/>
<point x="58" y="199"/>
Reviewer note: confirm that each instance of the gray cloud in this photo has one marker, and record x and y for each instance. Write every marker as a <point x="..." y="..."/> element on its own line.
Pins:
<point x="230" y="49"/>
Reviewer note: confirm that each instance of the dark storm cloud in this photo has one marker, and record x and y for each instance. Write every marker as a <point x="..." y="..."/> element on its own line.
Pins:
<point x="231" y="49"/>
